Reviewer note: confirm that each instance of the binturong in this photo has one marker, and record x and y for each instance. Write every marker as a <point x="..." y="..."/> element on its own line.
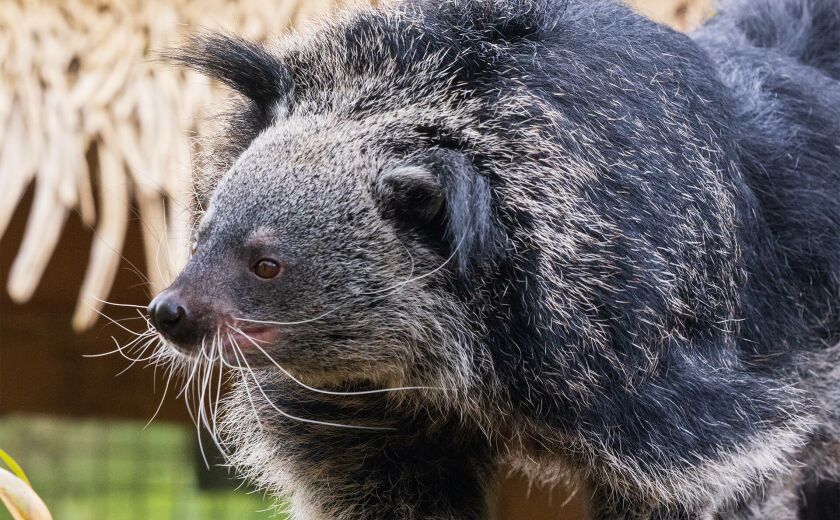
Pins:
<point x="442" y="239"/>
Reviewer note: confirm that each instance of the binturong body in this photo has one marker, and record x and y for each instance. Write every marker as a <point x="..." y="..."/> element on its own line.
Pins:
<point x="442" y="239"/>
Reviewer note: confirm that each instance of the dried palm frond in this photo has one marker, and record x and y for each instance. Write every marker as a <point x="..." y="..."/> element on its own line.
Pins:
<point x="20" y="500"/>
<point x="683" y="15"/>
<point x="77" y="77"/>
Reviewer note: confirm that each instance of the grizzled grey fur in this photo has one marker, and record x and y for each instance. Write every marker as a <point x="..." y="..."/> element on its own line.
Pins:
<point x="602" y="249"/>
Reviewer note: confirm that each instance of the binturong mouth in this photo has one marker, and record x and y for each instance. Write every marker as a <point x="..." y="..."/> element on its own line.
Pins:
<point x="252" y="337"/>
<point x="194" y="331"/>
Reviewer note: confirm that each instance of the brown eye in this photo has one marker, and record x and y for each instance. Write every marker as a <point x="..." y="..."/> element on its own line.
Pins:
<point x="266" y="269"/>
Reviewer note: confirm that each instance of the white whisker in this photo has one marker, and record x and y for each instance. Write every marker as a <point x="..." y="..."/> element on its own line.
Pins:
<point x="301" y="419"/>
<point x="111" y="320"/>
<point x="247" y="391"/>
<point x="201" y="418"/>
<point x="331" y="392"/>
<point x="106" y="302"/>
<point x="196" y="362"/>
<point x="384" y="293"/>
<point x="142" y="351"/>
<point x="162" y="399"/>
<point x="119" y="349"/>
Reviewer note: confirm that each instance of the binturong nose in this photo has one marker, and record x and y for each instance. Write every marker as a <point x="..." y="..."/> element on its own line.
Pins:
<point x="171" y="316"/>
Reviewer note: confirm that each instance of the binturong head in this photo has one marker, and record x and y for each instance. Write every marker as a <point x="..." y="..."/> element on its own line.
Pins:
<point x="329" y="236"/>
<point x="416" y="196"/>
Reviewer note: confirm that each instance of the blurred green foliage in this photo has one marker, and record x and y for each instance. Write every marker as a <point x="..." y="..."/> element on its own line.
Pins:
<point x="116" y="470"/>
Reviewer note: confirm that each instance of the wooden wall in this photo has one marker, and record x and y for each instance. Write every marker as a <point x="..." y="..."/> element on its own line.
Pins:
<point x="42" y="368"/>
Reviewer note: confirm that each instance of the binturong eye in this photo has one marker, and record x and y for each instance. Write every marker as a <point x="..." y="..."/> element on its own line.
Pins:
<point x="266" y="268"/>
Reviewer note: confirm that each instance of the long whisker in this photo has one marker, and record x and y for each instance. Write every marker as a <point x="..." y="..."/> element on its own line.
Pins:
<point x="215" y="409"/>
<point x="192" y="374"/>
<point x="294" y="417"/>
<point x="202" y="415"/>
<point x="120" y="325"/>
<point x="227" y="364"/>
<point x="162" y="399"/>
<point x="400" y="285"/>
<point x="112" y="321"/>
<point x="142" y="351"/>
<point x="384" y="293"/>
<point x="120" y="320"/>
<point x="137" y="271"/>
<point x="329" y="392"/>
<point x="301" y="322"/>
<point x="128" y="347"/>
<point x="119" y="349"/>
<point x="210" y="423"/>
<point x="209" y="354"/>
<point x="247" y="390"/>
<point x="114" y="304"/>
<point x="186" y="395"/>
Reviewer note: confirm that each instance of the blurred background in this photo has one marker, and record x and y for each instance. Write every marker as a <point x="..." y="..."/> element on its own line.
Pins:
<point x="97" y="141"/>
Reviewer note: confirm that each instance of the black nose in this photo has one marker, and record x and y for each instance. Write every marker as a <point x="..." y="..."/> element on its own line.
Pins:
<point x="170" y="316"/>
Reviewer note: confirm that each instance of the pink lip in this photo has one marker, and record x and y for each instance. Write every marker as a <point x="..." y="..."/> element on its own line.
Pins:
<point x="262" y="336"/>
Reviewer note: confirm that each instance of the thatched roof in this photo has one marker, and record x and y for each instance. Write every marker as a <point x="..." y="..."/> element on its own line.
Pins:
<point x="80" y="94"/>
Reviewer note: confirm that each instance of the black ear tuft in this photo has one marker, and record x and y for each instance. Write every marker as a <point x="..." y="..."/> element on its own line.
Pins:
<point x="244" y="66"/>
<point x="443" y="195"/>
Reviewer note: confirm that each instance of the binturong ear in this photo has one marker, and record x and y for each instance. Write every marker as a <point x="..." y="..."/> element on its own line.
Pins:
<point x="442" y="195"/>
<point x="246" y="67"/>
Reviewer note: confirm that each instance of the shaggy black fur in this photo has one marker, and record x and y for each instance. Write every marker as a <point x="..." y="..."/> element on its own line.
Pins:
<point x="645" y="232"/>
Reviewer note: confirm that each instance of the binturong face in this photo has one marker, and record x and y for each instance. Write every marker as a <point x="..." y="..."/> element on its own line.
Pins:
<point x="328" y="245"/>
